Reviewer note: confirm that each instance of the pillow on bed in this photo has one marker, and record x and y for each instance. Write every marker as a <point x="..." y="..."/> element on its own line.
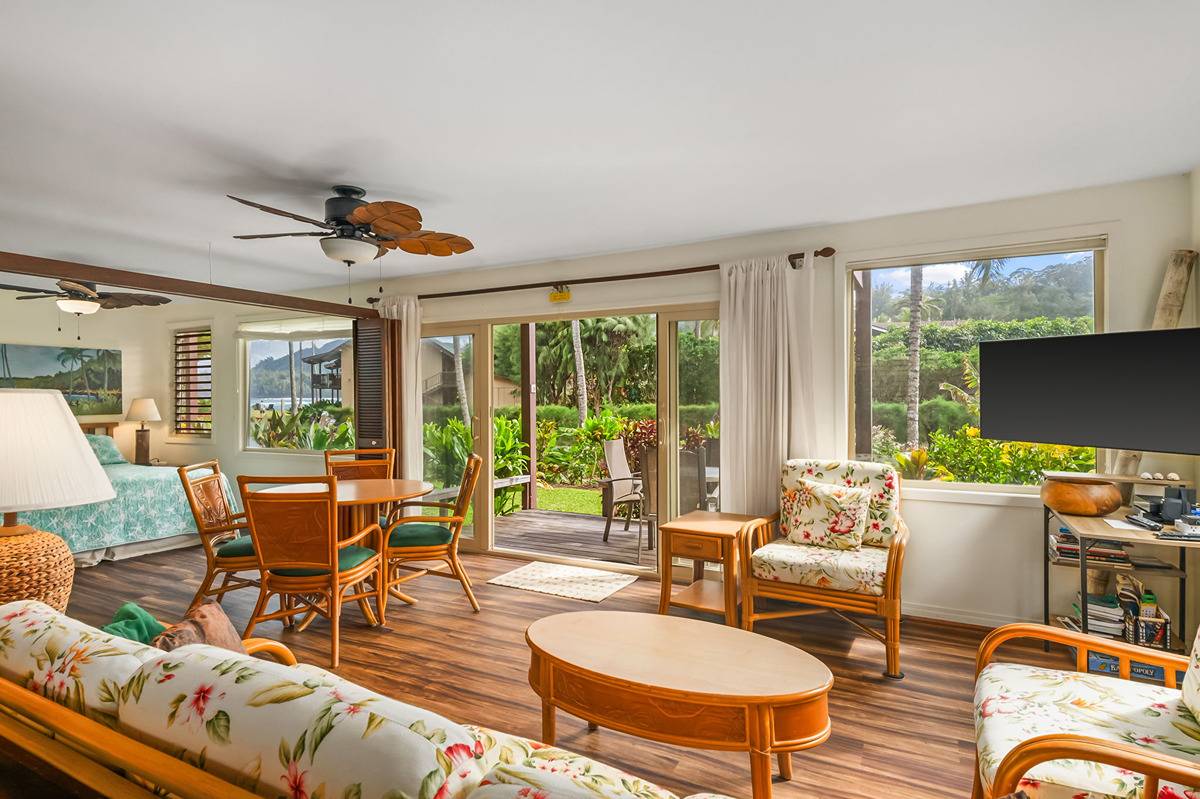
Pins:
<point x="105" y="449"/>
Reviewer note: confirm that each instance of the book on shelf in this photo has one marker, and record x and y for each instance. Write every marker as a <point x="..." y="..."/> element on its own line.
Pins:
<point x="1072" y="623"/>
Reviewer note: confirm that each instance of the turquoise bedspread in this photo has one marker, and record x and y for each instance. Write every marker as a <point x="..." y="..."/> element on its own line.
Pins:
<point x="149" y="505"/>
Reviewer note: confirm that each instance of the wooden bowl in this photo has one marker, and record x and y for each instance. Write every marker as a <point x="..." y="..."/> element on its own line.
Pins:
<point x="1081" y="496"/>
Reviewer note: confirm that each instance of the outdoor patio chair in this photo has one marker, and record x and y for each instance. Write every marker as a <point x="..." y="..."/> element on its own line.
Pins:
<point x="622" y="487"/>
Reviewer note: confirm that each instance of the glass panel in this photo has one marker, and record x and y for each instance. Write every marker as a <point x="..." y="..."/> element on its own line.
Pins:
<point x="698" y="404"/>
<point x="915" y="336"/>
<point x="300" y="393"/>
<point x="593" y="386"/>
<point x="447" y="408"/>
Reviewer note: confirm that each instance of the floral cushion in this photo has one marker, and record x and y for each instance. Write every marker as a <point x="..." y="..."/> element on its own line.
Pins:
<point x="523" y="769"/>
<point x="878" y="478"/>
<point x="821" y="514"/>
<point x="280" y="731"/>
<point x="858" y="570"/>
<point x="66" y="660"/>
<point x="1015" y="702"/>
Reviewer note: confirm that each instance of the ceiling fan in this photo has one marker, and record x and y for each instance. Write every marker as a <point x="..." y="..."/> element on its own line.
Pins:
<point x="356" y="231"/>
<point x="81" y="298"/>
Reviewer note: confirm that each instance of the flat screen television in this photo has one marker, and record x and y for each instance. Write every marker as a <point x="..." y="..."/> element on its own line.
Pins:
<point x="1137" y="391"/>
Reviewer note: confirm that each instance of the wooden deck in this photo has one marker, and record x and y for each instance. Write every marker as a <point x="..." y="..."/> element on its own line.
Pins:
<point x="575" y="535"/>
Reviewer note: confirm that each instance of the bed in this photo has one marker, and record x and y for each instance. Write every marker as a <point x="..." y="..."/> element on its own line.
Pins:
<point x="148" y="514"/>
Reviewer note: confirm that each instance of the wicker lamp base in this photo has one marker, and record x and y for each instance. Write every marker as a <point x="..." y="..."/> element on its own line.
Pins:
<point x="36" y="565"/>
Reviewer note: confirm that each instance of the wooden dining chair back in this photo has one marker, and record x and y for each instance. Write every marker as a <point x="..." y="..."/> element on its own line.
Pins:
<point x="432" y="538"/>
<point x="303" y="560"/>
<point x="228" y="548"/>
<point x="361" y="464"/>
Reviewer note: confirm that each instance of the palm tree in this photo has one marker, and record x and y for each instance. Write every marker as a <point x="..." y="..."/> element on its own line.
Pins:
<point x="460" y="382"/>
<point x="580" y="377"/>
<point x="295" y="397"/>
<point x="5" y="369"/>
<point x="988" y="270"/>
<point x="105" y="361"/>
<point x="912" y="393"/>
<point x="71" y="358"/>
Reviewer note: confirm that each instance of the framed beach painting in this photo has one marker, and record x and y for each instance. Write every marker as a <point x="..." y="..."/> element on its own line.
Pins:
<point x="90" y="379"/>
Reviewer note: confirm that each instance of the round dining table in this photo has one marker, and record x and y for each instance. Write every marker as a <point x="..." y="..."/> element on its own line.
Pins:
<point x="362" y="501"/>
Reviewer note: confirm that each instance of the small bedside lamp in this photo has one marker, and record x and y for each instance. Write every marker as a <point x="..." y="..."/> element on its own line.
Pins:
<point x="47" y="464"/>
<point x="142" y="410"/>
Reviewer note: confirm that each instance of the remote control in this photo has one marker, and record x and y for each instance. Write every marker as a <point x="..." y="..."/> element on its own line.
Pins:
<point x="1144" y="523"/>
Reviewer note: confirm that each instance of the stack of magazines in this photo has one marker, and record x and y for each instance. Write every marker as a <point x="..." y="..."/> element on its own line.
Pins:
<point x="1105" y="615"/>
<point x="1064" y="548"/>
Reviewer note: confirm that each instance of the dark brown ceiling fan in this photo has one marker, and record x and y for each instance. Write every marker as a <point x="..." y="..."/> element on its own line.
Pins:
<point x="79" y="297"/>
<point x="356" y="231"/>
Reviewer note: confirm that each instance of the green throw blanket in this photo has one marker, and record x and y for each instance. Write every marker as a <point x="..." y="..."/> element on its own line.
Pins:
<point x="131" y="622"/>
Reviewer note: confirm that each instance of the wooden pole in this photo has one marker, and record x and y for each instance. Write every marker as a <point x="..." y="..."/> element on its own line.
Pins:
<point x="528" y="336"/>
<point x="1166" y="315"/>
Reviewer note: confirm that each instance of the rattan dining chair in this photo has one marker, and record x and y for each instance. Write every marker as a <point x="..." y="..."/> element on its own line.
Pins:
<point x="431" y="538"/>
<point x="363" y="464"/>
<point x="228" y="548"/>
<point x="302" y="560"/>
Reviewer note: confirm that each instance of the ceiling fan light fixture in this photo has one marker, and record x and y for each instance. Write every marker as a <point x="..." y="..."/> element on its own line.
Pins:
<point x="355" y="251"/>
<point x="83" y="307"/>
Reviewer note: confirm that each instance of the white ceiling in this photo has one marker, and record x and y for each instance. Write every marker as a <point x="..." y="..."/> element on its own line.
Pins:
<point x="554" y="129"/>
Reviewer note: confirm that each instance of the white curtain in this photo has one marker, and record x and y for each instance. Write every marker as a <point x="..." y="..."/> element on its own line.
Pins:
<point x="768" y="407"/>
<point x="407" y="310"/>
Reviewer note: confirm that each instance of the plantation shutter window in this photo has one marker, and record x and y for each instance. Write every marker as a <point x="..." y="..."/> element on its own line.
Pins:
<point x="370" y="398"/>
<point x="193" y="382"/>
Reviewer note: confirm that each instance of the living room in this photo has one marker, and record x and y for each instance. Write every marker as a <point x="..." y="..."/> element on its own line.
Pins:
<point x="830" y="282"/>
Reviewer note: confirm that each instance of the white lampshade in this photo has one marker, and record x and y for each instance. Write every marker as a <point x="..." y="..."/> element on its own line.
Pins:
<point x="78" y="306"/>
<point x="356" y="251"/>
<point x="143" y="410"/>
<point x="46" y="461"/>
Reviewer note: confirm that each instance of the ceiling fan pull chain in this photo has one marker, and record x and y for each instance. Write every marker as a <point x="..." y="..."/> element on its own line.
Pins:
<point x="349" y="289"/>
<point x="59" y="319"/>
<point x="77" y="338"/>
<point x="380" y="276"/>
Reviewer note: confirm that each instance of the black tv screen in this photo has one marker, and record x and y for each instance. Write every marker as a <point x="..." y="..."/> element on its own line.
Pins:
<point x="1137" y="391"/>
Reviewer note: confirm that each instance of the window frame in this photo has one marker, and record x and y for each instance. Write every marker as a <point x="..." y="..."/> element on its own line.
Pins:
<point x="1097" y="238"/>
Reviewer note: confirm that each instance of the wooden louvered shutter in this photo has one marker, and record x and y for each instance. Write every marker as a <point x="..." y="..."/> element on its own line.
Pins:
<point x="370" y="392"/>
<point x="193" y="383"/>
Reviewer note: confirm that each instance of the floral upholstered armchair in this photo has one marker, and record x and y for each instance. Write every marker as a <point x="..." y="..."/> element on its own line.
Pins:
<point x="838" y="543"/>
<point x="1061" y="734"/>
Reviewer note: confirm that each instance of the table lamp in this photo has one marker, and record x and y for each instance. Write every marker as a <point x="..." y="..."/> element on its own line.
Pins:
<point x="142" y="410"/>
<point x="47" y="464"/>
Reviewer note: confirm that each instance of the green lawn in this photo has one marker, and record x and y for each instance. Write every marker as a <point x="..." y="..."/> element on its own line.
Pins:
<point x="572" y="500"/>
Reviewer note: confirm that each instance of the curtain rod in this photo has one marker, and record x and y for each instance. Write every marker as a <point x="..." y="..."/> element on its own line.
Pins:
<point x="793" y="258"/>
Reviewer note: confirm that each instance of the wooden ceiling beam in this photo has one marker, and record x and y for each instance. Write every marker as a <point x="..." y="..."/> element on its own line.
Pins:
<point x="33" y="265"/>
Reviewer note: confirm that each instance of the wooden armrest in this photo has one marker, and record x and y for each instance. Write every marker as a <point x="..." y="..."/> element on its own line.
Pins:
<point x="225" y="528"/>
<point x="1124" y="652"/>
<point x="361" y="534"/>
<point x="423" y="520"/>
<point x="266" y="646"/>
<point x="426" y="504"/>
<point x="1155" y="765"/>
<point x="755" y="534"/>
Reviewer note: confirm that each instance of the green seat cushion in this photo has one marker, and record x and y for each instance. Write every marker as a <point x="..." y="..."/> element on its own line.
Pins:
<point x="419" y="534"/>
<point x="240" y="547"/>
<point x="348" y="558"/>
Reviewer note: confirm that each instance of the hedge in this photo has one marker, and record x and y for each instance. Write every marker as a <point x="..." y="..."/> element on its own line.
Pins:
<point x="566" y="416"/>
<point x="963" y="336"/>
<point x="932" y="414"/>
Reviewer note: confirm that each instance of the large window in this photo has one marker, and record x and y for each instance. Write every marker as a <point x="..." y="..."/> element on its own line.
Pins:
<point x="915" y="339"/>
<point x="299" y="384"/>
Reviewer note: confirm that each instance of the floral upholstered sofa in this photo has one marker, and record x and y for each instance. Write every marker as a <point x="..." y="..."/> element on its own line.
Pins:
<point x="1059" y="734"/>
<point x="269" y="729"/>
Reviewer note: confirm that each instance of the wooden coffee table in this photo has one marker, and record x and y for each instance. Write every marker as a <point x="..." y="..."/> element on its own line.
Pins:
<point x="681" y="681"/>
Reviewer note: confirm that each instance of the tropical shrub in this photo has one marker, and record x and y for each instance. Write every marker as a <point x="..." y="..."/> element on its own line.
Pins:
<point x="446" y="449"/>
<point x="319" y="426"/>
<point x="963" y="456"/>
<point x="509" y="460"/>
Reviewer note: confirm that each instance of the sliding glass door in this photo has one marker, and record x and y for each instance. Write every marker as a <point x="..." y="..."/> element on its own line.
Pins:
<point x="691" y="419"/>
<point x="450" y="409"/>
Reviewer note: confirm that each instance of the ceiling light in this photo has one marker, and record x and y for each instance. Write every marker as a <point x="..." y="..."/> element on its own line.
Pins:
<point x="355" y="251"/>
<point x="78" y="306"/>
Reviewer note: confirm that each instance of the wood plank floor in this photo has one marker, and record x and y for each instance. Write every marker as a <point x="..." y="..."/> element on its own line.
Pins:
<point x="573" y="535"/>
<point x="912" y="738"/>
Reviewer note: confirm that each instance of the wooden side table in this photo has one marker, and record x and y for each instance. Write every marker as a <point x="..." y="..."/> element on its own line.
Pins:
<point x="705" y="537"/>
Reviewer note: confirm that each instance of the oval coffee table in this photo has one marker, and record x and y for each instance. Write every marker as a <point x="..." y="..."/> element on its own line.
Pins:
<point x="681" y="681"/>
